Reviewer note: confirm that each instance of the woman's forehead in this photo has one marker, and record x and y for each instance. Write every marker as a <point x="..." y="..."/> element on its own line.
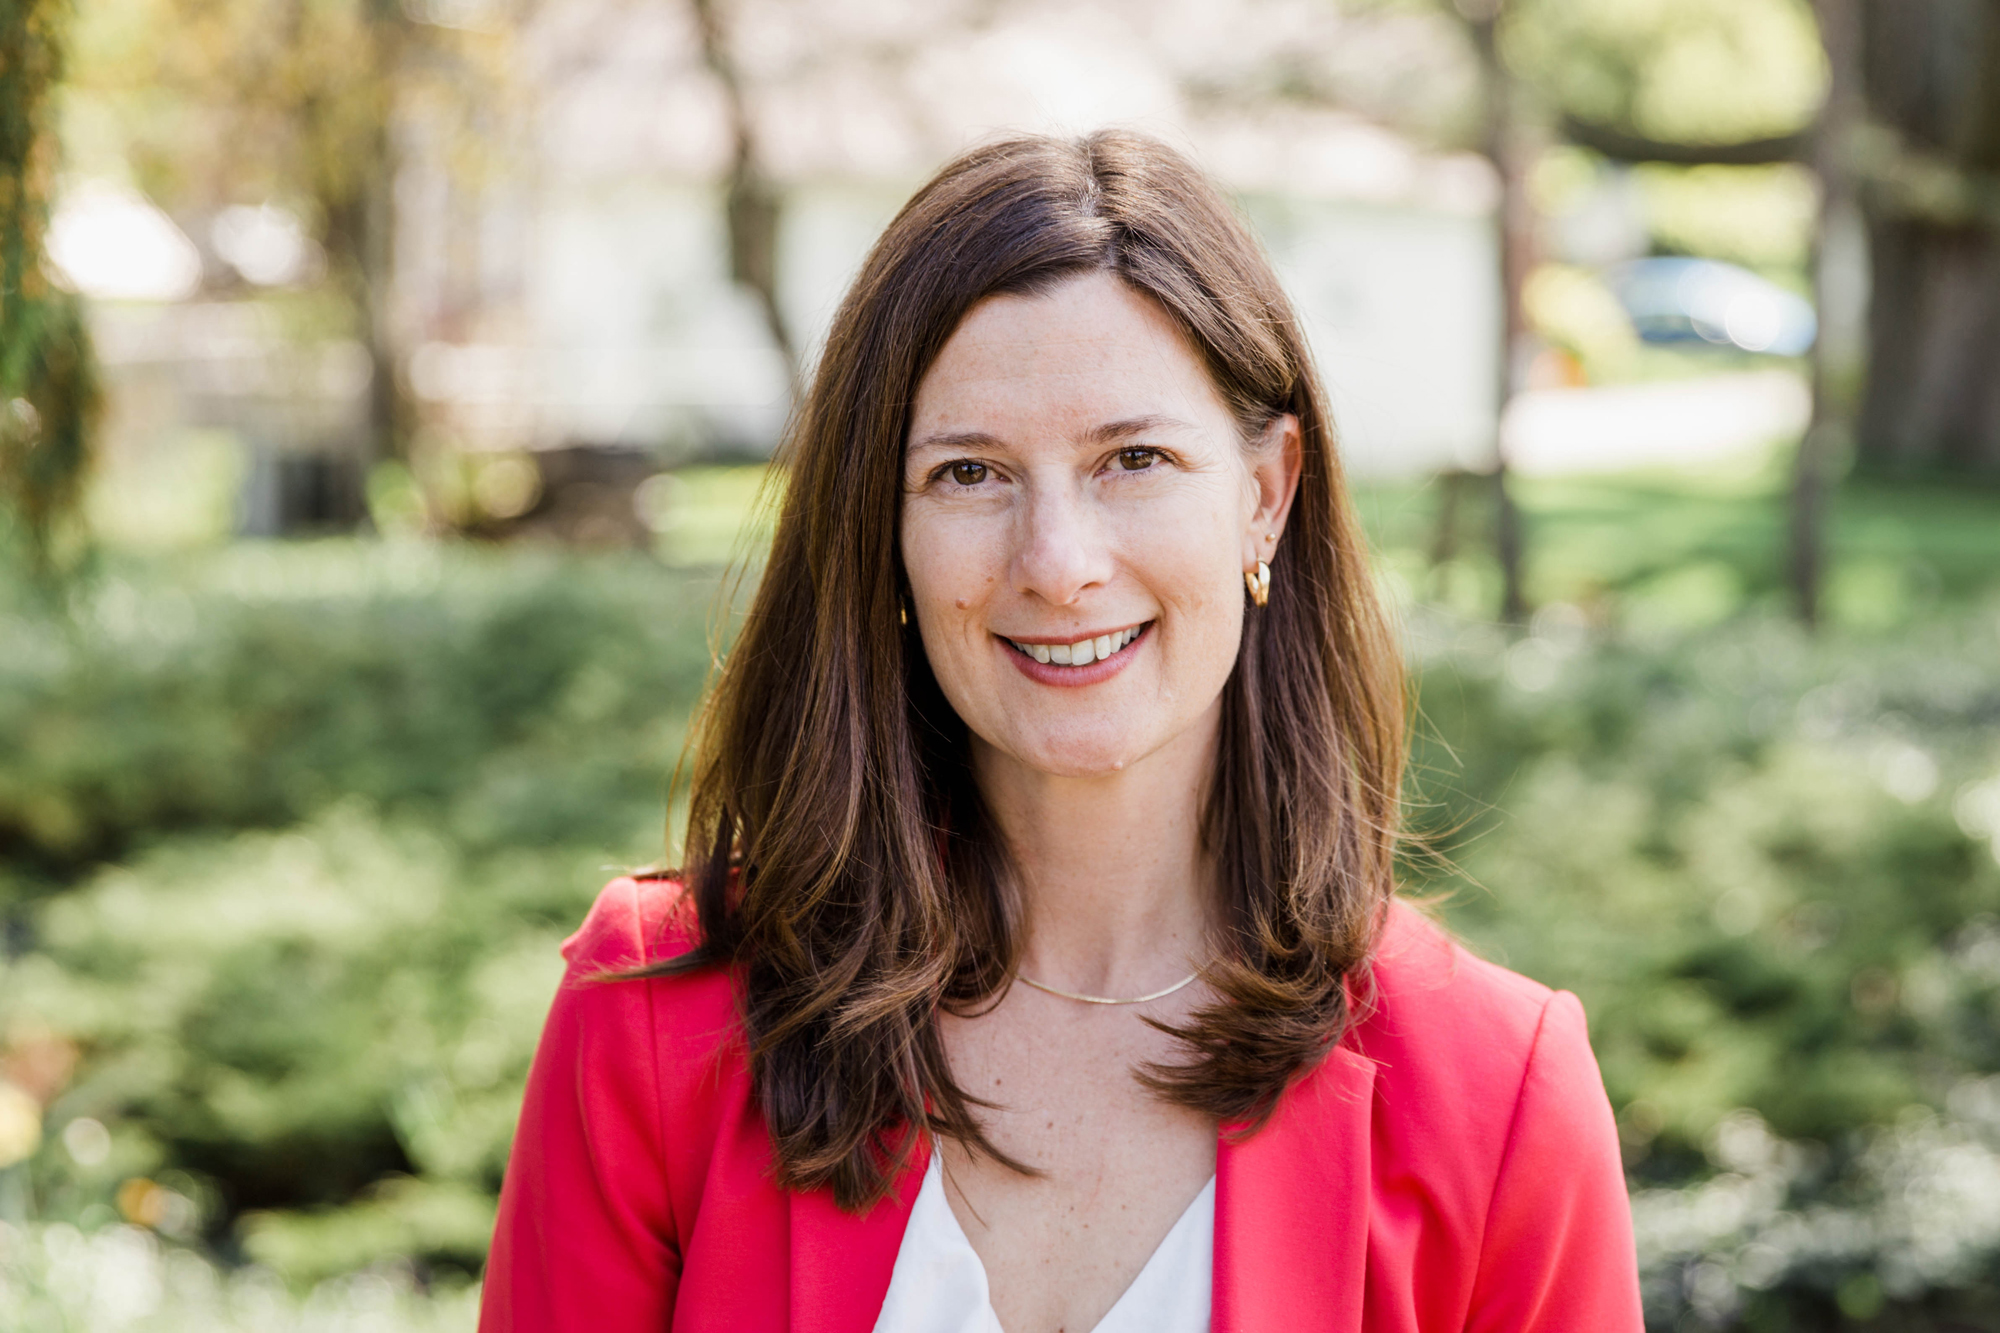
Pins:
<point x="1086" y="356"/>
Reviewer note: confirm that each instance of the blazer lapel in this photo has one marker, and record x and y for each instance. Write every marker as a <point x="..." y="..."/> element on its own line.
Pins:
<point x="1291" y="1208"/>
<point x="841" y="1263"/>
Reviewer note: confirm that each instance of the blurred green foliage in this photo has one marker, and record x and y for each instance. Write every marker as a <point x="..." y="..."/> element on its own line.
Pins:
<point x="289" y="835"/>
<point x="48" y="373"/>
<point x="1742" y="852"/>
<point x="1693" y="70"/>
<point x="1771" y="868"/>
<point x="1669" y="550"/>
<point x="258" y="686"/>
<point x="56" y="1277"/>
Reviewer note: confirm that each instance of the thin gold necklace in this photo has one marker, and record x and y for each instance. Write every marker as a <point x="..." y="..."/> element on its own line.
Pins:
<point x="1105" y="999"/>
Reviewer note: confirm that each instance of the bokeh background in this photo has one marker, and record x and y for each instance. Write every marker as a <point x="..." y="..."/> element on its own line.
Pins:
<point x="386" y="392"/>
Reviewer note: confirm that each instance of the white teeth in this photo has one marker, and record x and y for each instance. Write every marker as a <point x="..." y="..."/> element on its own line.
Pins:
<point x="1083" y="651"/>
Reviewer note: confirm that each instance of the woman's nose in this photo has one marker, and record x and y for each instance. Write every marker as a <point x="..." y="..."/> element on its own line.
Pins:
<point x="1061" y="549"/>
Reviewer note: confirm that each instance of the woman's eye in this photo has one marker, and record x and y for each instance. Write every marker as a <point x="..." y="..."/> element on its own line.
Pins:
<point x="968" y="474"/>
<point x="1137" y="460"/>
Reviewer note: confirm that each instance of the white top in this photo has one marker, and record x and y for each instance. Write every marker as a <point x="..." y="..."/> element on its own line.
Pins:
<point x="939" y="1285"/>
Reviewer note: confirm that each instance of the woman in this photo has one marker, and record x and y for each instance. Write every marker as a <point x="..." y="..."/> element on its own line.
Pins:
<point x="1066" y="670"/>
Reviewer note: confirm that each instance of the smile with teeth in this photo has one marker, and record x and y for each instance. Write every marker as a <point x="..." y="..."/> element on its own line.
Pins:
<point x="1084" y="651"/>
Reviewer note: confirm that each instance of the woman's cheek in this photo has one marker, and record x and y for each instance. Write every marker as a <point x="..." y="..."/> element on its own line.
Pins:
<point x="1189" y="558"/>
<point x="949" y="562"/>
<point x="926" y="537"/>
<point x="970" y="557"/>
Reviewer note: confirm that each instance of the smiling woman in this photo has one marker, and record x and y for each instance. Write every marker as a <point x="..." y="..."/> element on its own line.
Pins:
<point x="1066" y="669"/>
<point x="1079" y="506"/>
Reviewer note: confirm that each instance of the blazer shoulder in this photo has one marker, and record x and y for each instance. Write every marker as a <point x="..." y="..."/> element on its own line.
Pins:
<point x="637" y="921"/>
<point x="640" y="921"/>
<point x="1454" y="1037"/>
<point x="1424" y="993"/>
<point x="632" y="1084"/>
<point x="1475" y="1068"/>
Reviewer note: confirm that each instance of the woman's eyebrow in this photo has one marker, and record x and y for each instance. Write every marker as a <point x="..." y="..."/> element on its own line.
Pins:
<point x="1114" y="431"/>
<point x="958" y="439"/>
<point x="1111" y="432"/>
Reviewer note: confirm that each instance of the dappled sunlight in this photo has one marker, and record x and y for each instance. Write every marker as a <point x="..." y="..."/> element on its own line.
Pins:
<point x="391" y="425"/>
<point x="121" y="1277"/>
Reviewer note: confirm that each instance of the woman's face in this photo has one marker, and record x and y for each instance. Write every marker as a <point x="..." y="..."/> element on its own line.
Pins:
<point x="1079" y="509"/>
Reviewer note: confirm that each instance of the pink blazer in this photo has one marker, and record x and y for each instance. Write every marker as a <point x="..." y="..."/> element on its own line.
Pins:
<point x="1451" y="1165"/>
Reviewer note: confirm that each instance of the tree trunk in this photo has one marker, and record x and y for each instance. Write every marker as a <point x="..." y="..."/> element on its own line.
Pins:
<point x="1932" y="72"/>
<point x="357" y="198"/>
<point x="358" y="238"/>
<point x="752" y="205"/>
<point x="360" y="235"/>
<point x="1926" y="160"/>
<point x="48" y="383"/>
<point x="1514" y="227"/>
<point x="1933" y="402"/>
<point x="1828" y="433"/>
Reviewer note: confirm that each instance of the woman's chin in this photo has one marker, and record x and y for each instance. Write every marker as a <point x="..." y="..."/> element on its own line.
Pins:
<point x="1092" y="767"/>
<point x="1077" y="756"/>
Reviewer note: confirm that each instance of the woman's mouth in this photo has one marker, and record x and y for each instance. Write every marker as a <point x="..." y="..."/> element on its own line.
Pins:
<point x="1082" y="652"/>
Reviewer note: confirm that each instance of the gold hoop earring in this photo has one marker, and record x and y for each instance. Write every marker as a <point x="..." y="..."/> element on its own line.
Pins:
<point x="1258" y="583"/>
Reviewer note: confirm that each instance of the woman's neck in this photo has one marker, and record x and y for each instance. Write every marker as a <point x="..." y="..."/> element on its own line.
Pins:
<point x="1118" y="897"/>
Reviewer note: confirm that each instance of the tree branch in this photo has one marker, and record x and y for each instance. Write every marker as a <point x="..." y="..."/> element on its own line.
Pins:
<point x="1900" y="179"/>
<point x="1623" y="146"/>
<point x="1908" y="181"/>
<point x="752" y="204"/>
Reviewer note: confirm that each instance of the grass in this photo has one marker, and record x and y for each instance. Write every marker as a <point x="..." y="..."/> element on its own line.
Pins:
<point x="1686" y="549"/>
<point x="1657" y="548"/>
<point x="1630" y="794"/>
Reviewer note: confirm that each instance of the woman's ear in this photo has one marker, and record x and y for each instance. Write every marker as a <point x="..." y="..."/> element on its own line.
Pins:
<point x="1275" y="462"/>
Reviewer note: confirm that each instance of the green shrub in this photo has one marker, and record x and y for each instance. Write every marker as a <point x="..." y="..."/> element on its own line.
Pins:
<point x="1768" y="866"/>
<point x="293" y="839"/>
<point x="55" y="1277"/>
<point x="291" y="835"/>
<point x="268" y="682"/>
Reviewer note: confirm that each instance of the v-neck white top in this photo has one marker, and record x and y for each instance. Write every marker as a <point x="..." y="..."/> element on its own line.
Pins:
<point x="939" y="1284"/>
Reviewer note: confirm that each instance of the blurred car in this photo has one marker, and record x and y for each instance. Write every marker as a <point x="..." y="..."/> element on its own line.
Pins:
<point x="1679" y="300"/>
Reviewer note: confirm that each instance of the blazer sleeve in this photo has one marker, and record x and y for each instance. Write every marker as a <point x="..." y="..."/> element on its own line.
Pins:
<point x="585" y="1236"/>
<point x="1558" y="1254"/>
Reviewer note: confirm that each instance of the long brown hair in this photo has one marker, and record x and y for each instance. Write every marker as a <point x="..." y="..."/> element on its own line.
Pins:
<point x="837" y="850"/>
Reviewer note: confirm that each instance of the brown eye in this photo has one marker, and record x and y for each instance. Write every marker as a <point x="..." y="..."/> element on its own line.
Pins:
<point x="1137" y="460"/>
<point x="968" y="474"/>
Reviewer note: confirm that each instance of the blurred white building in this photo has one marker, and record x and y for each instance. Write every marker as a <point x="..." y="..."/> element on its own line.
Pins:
<point x="570" y="290"/>
<point x="585" y="299"/>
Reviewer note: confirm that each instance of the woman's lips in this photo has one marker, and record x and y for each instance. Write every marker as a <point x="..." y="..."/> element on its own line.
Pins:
<point x="1123" y="644"/>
